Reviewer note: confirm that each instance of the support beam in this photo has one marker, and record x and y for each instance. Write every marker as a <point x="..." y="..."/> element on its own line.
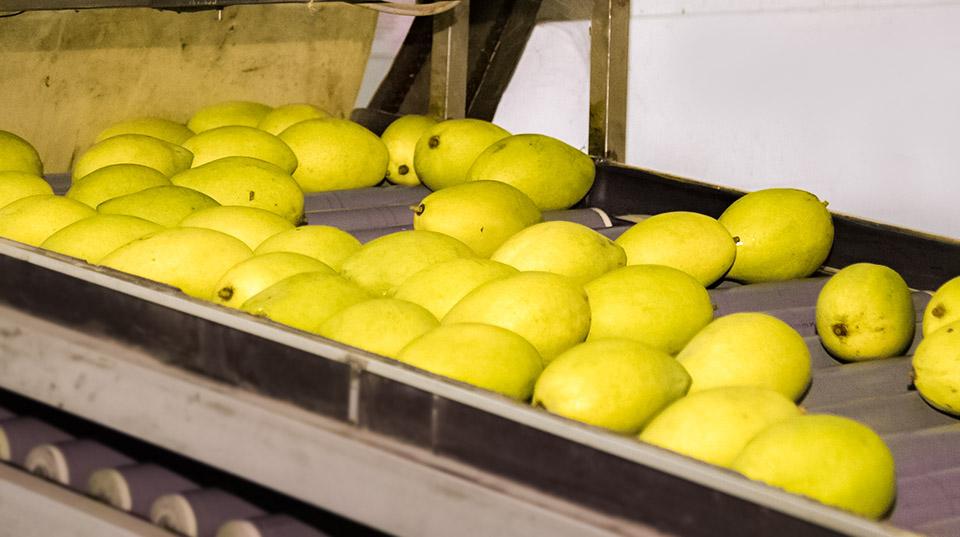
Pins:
<point x="448" y="62"/>
<point x="497" y="51"/>
<point x="609" y="61"/>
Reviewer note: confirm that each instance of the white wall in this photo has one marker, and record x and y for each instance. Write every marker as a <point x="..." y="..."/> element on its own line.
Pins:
<point x="856" y="101"/>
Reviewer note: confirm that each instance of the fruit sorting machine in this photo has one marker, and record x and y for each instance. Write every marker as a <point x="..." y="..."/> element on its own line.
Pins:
<point x="414" y="454"/>
<point x="411" y="453"/>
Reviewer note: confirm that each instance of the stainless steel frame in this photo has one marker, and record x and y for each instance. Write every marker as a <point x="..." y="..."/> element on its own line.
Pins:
<point x="448" y="63"/>
<point x="42" y="360"/>
<point x="609" y="63"/>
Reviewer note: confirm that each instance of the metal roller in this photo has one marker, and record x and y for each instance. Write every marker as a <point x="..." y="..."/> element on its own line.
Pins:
<point x="367" y="235"/>
<point x="134" y="488"/>
<point x="888" y="414"/>
<point x="917" y="336"/>
<point x="923" y="452"/>
<point x="920" y="301"/>
<point x="20" y="435"/>
<point x="394" y="216"/>
<point x="591" y="217"/>
<point x="614" y="232"/>
<point x="200" y="513"/>
<point x="767" y="296"/>
<point x="800" y="318"/>
<point x="780" y="295"/>
<point x="819" y="357"/>
<point x="60" y="182"/>
<point x="859" y="380"/>
<point x="72" y="462"/>
<point x="364" y="218"/>
<point x="924" y="497"/>
<point x="268" y="526"/>
<point x="362" y="198"/>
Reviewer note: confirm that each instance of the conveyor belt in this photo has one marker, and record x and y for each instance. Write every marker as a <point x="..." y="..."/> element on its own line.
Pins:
<point x="625" y="478"/>
<point x="401" y="217"/>
<point x="925" y="442"/>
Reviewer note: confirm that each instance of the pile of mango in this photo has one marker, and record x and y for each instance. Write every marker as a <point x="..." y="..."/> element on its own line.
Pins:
<point x="618" y="334"/>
